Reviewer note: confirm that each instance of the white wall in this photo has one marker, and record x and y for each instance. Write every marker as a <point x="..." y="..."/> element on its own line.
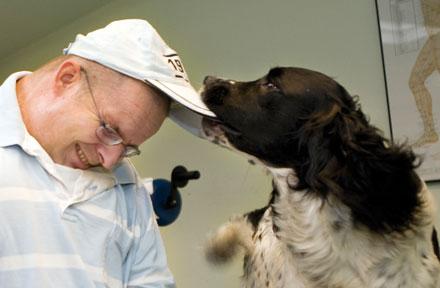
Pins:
<point x="238" y="39"/>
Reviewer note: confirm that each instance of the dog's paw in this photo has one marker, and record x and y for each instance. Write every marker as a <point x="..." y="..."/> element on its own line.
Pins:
<point x="228" y="240"/>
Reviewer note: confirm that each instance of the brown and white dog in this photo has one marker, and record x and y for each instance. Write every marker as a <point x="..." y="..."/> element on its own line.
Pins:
<point x="347" y="208"/>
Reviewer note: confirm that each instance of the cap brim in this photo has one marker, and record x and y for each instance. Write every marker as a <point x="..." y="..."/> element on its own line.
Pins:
<point x="186" y="119"/>
<point x="186" y="96"/>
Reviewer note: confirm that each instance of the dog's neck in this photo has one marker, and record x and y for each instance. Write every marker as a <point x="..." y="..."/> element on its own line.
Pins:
<point x="301" y="210"/>
<point x="300" y="222"/>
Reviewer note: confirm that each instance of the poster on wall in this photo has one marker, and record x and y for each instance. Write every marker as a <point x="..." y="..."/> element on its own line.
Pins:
<point x="410" y="36"/>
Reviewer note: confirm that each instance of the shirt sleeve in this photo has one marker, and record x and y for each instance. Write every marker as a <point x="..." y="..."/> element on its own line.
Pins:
<point x="149" y="263"/>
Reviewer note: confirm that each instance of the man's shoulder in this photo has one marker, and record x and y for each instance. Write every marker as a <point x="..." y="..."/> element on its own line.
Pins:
<point x="19" y="168"/>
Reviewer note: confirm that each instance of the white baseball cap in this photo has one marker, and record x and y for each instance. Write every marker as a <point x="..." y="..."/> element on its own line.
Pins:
<point x="134" y="48"/>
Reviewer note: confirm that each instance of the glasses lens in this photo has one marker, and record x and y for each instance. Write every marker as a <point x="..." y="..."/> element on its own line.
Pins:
<point x="108" y="135"/>
<point x="131" y="151"/>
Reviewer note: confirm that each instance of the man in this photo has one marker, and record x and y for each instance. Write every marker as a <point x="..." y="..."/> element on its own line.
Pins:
<point x="72" y="210"/>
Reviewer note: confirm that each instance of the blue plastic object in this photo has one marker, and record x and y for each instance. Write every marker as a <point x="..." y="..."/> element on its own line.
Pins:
<point x="166" y="212"/>
<point x="167" y="202"/>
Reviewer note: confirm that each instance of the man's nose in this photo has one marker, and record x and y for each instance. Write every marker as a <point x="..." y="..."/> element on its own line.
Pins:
<point x="109" y="156"/>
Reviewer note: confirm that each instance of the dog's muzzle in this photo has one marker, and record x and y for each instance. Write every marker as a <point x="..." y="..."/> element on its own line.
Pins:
<point x="215" y="91"/>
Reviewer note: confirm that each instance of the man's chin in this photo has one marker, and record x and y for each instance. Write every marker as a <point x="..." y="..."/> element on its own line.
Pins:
<point x="81" y="166"/>
<point x="74" y="165"/>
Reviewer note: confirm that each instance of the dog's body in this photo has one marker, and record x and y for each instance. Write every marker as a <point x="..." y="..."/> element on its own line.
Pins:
<point x="347" y="210"/>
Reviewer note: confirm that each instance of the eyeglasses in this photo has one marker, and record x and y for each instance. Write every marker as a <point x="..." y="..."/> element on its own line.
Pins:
<point x="105" y="133"/>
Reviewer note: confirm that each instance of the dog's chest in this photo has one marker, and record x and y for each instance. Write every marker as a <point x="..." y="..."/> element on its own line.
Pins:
<point x="310" y="250"/>
<point x="269" y="265"/>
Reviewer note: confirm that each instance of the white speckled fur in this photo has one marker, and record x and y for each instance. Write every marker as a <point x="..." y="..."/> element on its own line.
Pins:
<point x="318" y="246"/>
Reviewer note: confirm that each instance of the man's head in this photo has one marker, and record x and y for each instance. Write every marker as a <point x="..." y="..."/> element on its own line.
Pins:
<point x="110" y="93"/>
<point x="72" y="98"/>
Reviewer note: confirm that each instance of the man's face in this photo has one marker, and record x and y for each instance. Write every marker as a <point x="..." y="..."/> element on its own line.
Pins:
<point x="127" y="105"/>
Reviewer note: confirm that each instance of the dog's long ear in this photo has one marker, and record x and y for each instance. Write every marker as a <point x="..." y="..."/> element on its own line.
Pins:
<point x="379" y="182"/>
<point x="350" y="158"/>
<point x="319" y="153"/>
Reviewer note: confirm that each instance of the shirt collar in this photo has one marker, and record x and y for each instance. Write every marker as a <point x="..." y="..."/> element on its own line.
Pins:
<point x="11" y="123"/>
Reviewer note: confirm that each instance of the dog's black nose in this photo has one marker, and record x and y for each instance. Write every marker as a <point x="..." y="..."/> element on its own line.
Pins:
<point x="216" y="94"/>
<point x="209" y="79"/>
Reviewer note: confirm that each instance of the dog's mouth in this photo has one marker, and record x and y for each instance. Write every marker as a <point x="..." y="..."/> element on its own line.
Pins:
<point x="217" y="127"/>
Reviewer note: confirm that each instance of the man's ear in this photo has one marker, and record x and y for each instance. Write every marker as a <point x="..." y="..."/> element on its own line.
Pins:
<point x="68" y="74"/>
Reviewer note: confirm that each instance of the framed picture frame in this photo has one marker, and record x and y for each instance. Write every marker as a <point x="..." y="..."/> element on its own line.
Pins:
<point x="410" y="41"/>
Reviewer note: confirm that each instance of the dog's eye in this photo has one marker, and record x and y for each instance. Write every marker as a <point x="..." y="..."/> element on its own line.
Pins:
<point x="270" y="85"/>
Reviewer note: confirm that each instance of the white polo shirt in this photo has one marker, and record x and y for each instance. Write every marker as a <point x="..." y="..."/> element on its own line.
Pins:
<point x="65" y="227"/>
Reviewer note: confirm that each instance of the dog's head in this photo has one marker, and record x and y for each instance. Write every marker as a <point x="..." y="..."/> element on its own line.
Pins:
<point x="304" y="120"/>
<point x="275" y="118"/>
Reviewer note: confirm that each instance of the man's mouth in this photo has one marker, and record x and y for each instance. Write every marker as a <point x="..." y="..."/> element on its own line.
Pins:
<point x="81" y="155"/>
